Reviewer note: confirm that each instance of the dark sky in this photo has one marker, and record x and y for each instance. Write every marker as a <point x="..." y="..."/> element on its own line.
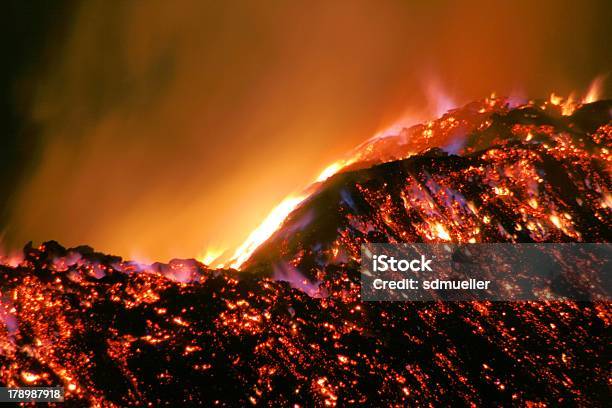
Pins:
<point x="157" y="129"/>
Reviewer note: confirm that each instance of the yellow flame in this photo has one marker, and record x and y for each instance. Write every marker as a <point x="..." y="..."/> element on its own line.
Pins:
<point x="334" y="168"/>
<point x="265" y="229"/>
<point x="569" y="106"/>
<point x="276" y="217"/>
<point x="555" y="220"/>
<point x="209" y="257"/>
<point x="331" y="170"/>
<point x="555" y="99"/>
<point x="594" y="92"/>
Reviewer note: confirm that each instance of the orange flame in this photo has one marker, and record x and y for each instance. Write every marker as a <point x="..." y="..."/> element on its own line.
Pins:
<point x="334" y="168"/>
<point x="568" y="105"/>
<point x="209" y="257"/>
<point x="265" y="229"/>
<point x="555" y="99"/>
<point x="594" y="92"/>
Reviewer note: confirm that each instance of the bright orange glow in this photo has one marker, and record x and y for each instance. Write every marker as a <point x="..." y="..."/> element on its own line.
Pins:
<point x="555" y="99"/>
<point x="568" y="105"/>
<point x="334" y="168"/>
<point x="330" y="170"/>
<point x="265" y="229"/>
<point x="29" y="377"/>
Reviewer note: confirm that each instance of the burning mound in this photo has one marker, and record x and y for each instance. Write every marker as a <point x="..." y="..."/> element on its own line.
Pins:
<point x="520" y="175"/>
<point x="116" y="333"/>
